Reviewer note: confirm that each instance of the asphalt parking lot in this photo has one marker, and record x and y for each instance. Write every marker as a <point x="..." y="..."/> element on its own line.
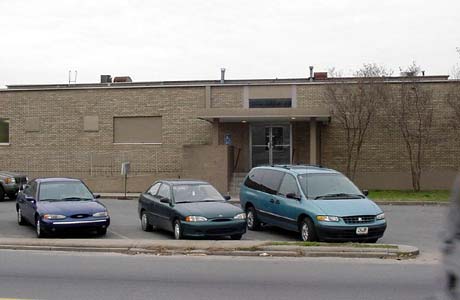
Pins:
<point x="418" y="226"/>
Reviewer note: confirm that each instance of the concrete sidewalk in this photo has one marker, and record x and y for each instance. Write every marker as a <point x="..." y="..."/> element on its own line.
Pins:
<point x="212" y="247"/>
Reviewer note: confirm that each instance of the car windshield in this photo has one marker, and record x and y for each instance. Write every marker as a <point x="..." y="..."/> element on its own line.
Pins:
<point x="196" y="193"/>
<point x="328" y="186"/>
<point x="64" y="191"/>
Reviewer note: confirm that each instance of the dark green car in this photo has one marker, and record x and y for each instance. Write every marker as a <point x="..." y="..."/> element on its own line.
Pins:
<point x="190" y="209"/>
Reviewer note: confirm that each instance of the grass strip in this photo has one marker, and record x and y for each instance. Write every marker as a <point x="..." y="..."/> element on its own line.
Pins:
<point x="407" y="195"/>
<point x="317" y="244"/>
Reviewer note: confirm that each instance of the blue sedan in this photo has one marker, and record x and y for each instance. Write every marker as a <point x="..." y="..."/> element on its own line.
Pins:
<point x="60" y="204"/>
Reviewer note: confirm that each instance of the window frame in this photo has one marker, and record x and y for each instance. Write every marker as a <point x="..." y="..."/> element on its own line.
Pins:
<point x="8" y="121"/>
<point x="296" y="185"/>
<point x="136" y="143"/>
<point x="252" y="103"/>
<point x="170" y="190"/>
<point x="151" y="187"/>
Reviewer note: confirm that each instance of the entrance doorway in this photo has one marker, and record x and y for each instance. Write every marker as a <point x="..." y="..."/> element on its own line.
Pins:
<point x="270" y="144"/>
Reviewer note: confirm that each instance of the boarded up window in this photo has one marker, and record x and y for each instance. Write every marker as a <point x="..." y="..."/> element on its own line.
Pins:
<point x="137" y="129"/>
<point x="4" y="131"/>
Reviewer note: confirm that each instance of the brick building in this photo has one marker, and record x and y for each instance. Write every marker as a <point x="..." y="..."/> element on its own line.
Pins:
<point x="213" y="130"/>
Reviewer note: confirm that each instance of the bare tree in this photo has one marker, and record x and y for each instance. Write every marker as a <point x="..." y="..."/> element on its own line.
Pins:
<point x="354" y="107"/>
<point x="455" y="72"/>
<point x="410" y="109"/>
<point x="453" y="100"/>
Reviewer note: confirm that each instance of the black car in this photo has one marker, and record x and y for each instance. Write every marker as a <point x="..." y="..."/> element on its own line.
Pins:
<point x="190" y="208"/>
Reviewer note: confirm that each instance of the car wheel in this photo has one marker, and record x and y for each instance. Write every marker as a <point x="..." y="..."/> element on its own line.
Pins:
<point x="236" y="236"/>
<point x="177" y="230"/>
<point x="2" y="194"/>
<point x="12" y="196"/>
<point x="146" y="226"/>
<point x="102" y="231"/>
<point x="38" y="229"/>
<point x="21" y="220"/>
<point x="253" y="221"/>
<point x="372" y="241"/>
<point x="307" y="230"/>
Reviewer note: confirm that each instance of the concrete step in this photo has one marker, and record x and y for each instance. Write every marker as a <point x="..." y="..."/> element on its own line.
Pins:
<point x="235" y="182"/>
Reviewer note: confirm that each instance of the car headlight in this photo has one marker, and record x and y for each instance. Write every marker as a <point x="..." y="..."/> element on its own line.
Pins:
<point x="195" y="219"/>
<point x="101" y="214"/>
<point x="380" y="217"/>
<point x="241" y="216"/>
<point x="327" y="218"/>
<point x="53" y="217"/>
<point x="9" y="180"/>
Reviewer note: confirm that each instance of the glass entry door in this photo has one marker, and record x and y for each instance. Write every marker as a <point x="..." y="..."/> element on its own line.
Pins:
<point x="270" y="144"/>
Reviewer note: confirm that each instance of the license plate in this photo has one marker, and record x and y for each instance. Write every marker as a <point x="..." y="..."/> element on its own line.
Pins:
<point x="362" y="230"/>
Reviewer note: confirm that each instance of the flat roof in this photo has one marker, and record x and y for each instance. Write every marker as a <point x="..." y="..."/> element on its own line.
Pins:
<point x="200" y="83"/>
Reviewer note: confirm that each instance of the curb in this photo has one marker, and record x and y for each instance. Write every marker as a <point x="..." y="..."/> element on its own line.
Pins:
<point x="414" y="203"/>
<point x="208" y="248"/>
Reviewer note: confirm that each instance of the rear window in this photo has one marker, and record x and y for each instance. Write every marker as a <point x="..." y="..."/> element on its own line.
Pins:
<point x="264" y="180"/>
<point x="254" y="179"/>
<point x="271" y="181"/>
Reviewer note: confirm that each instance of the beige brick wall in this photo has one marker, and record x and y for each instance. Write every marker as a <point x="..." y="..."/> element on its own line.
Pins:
<point x="62" y="148"/>
<point x="227" y="97"/>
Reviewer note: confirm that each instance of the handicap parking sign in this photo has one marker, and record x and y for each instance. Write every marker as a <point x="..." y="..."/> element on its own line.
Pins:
<point x="227" y="139"/>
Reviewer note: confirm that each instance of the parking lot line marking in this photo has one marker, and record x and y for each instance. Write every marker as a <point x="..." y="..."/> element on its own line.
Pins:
<point x="120" y="235"/>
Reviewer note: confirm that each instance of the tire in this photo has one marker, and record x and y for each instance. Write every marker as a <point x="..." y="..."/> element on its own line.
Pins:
<point x="372" y="241"/>
<point x="145" y="225"/>
<point x="38" y="229"/>
<point x="102" y="231"/>
<point x="177" y="227"/>
<point x="2" y="193"/>
<point x="307" y="230"/>
<point x="236" y="236"/>
<point x="253" y="221"/>
<point x="12" y="196"/>
<point x="20" y="218"/>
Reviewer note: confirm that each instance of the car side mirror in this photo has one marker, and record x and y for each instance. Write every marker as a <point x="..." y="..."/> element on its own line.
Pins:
<point x="96" y="196"/>
<point x="365" y="192"/>
<point x="165" y="200"/>
<point x="292" y="196"/>
<point x="30" y="199"/>
<point x="227" y="198"/>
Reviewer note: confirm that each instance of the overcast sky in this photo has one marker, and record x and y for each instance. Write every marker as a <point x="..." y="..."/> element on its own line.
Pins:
<point x="177" y="40"/>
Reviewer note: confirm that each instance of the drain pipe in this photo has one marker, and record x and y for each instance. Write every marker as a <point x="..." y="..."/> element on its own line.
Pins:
<point x="311" y="73"/>
<point x="222" y="75"/>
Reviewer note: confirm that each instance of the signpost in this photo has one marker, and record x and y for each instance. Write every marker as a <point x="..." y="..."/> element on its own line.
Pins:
<point x="125" y="167"/>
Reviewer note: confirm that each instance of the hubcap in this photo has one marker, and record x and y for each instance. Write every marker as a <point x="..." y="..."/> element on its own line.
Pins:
<point x="305" y="232"/>
<point x="144" y="221"/>
<point x="250" y="219"/>
<point x="177" y="231"/>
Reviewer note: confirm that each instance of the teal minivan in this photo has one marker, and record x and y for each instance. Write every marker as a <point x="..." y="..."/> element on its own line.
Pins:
<point x="319" y="203"/>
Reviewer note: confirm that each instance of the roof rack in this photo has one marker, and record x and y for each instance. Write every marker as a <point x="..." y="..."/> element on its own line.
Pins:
<point x="288" y="167"/>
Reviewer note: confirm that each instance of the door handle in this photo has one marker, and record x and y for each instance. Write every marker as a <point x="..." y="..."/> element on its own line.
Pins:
<point x="272" y="201"/>
<point x="277" y="202"/>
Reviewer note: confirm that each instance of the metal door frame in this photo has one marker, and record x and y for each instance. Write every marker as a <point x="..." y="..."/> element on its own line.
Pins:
<point x="270" y="153"/>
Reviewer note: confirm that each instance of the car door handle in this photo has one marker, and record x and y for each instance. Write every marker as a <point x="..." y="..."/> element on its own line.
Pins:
<point x="274" y="201"/>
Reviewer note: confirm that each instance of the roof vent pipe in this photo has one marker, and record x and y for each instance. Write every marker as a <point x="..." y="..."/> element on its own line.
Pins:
<point x="311" y="73"/>
<point x="222" y="75"/>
